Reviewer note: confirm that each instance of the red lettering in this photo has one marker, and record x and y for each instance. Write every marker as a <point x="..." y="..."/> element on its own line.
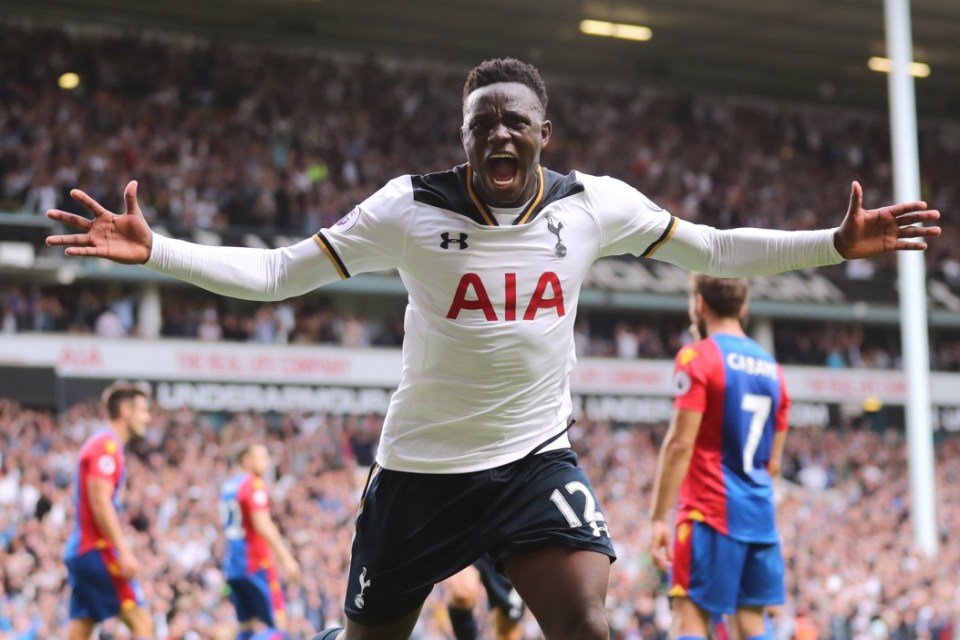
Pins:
<point x="222" y="362"/>
<point x="539" y="302"/>
<point x="262" y="363"/>
<point x="324" y="366"/>
<point x="189" y="361"/>
<point x="481" y="303"/>
<point x="510" y="310"/>
<point x="86" y="357"/>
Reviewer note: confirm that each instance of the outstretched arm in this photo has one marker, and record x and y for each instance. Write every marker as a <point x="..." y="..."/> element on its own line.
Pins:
<point x="254" y="274"/>
<point x="864" y="233"/>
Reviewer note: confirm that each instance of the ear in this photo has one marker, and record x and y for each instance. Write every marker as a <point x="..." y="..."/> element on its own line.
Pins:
<point x="745" y="308"/>
<point x="546" y="130"/>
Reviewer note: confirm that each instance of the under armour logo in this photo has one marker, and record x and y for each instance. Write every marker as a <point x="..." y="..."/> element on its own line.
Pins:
<point x="559" y="250"/>
<point x="447" y="240"/>
<point x="358" y="600"/>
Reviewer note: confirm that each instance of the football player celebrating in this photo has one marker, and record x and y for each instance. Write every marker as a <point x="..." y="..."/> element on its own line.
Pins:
<point x="474" y="458"/>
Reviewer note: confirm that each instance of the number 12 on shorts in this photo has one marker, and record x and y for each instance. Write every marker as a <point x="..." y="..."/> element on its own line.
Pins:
<point x="590" y="514"/>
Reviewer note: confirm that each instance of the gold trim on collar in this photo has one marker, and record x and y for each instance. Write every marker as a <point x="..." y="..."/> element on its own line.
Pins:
<point x="536" y="201"/>
<point x="476" y="201"/>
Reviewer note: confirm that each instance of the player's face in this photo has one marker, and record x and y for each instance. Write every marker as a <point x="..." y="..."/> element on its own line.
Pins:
<point x="138" y="415"/>
<point x="259" y="460"/>
<point x="503" y="133"/>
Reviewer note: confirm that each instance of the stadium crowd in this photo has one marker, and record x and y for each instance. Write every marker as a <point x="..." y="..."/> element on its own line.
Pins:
<point x="843" y="515"/>
<point x="111" y="313"/>
<point x="210" y="135"/>
<point x="228" y="134"/>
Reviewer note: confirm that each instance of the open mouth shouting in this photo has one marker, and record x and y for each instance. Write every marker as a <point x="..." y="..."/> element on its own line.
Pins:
<point x="503" y="170"/>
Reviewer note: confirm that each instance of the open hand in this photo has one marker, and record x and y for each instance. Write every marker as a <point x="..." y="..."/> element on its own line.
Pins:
<point x="865" y="233"/>
<point x="124" y="238"/>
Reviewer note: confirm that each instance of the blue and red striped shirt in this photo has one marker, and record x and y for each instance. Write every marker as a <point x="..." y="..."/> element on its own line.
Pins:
<point x="739" y="389"/>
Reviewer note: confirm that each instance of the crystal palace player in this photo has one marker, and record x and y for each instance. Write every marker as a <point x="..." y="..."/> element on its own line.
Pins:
<point x="252" y="543"/>
<point x="722" y="450"/>
<point x="100" y="565"/>
<point x="493" y="254"/>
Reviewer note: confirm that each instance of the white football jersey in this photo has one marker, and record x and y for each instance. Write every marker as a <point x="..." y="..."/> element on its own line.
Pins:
<point x="488" y="346"/>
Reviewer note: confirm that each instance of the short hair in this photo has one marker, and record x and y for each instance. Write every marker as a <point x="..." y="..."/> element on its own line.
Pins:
<point x="505" y="70"/>
<point x="241" y="450"/>
<point x="724" y="296"/>
<point x="118" y="393"/>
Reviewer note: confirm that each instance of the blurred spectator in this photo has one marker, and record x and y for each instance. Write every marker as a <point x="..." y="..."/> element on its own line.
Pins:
<point x="844" y="512"/>
<point x="216" y="142"/>
<point x="210" y="329"/>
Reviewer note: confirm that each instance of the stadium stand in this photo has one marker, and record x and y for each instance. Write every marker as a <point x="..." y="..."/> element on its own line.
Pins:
<point x="318" y="134"/>
<point x="282" y="154"/>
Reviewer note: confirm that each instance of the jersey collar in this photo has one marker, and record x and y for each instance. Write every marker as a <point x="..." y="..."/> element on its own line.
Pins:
<point x="525" y="216"/>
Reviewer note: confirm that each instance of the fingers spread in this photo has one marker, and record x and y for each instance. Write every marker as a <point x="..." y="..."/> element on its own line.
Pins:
<point x="898" y="210"/>
<point x="73" y="239"/>
<point x="918" y="216"/>
<point x="92" y="205"/>
<point x="130" y="196"/>
<point x="910" y="245"/>
<point x="82" y="251"/>
<point x="71" y="219"/>
<point x="919" y="232"/>
<point x="856" y="196"/>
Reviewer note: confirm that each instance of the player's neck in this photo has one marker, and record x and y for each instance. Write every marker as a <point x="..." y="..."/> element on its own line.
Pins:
<point x="729" y="326"/>
<point x="121" y="431"/>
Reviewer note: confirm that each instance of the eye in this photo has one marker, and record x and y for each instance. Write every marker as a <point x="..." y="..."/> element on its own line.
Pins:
<point x="517" y="123"/>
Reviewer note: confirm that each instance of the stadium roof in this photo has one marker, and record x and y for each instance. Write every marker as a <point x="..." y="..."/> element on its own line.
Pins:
<point x="809" y="50"/>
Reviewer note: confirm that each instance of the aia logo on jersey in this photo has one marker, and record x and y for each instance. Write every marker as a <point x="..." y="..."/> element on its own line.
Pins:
<point x="471" y="295"/>
<point x="446" y="240"/>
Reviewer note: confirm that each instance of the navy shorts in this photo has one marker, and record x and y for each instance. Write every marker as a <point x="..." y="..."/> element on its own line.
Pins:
<point x="258" y="596"/>
<point x="97" y="590"/>
<point x="417" y="529"/>
<point x="721" y="574"/>
<point x="500" y="592"/>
